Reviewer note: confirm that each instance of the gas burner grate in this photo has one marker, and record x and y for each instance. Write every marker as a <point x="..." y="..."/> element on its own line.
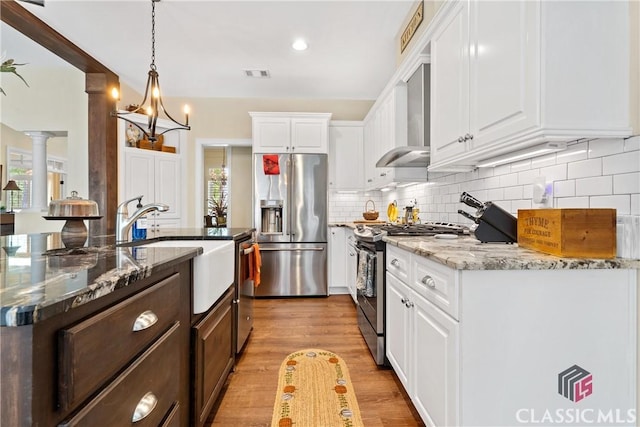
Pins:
<point x="426" y="229"/>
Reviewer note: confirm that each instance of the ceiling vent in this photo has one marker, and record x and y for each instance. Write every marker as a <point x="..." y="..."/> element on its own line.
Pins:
<point x="261" y="74"/>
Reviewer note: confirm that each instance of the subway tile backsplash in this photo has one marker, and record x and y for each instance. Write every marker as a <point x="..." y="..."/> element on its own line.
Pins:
<point x="599" y="173"/>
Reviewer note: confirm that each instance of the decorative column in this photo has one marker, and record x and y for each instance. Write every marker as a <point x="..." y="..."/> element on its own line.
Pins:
<point x="39" y="169"/>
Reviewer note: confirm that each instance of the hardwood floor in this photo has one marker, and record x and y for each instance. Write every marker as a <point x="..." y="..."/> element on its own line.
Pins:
<point x="282" y="326"/>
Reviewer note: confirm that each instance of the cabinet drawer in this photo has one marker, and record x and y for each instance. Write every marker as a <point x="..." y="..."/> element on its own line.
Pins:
<point x="437" y="283"/>
<point x="213" y="355"/>
<point x="398" y="262"/>
<point x="153" y="376"/>
<point x="93" y="350"/>
<point x="173" y="417"/>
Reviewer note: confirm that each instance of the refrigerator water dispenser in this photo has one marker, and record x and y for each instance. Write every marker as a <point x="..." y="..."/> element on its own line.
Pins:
<point x="271" y="211"/>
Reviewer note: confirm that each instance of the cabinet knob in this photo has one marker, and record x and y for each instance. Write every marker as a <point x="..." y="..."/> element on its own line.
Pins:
<point x="144" y="321"/>
<point x="468" y="136"/>
<point x="383" y="174"/>
<point x="370" y="180"/>
<point x="395" y="262"/>
<point x="404" y="300"/>
<point x="428" y="280"/>
<point x="144" y="407"/>
<point x="460" y="139"/>
<point x="408" y="304"/>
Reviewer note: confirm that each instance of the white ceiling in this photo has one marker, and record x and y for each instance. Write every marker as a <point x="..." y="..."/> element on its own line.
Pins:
<point x="202" y="47"/>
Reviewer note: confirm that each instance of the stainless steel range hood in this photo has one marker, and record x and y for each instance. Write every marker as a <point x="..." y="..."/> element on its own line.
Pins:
<point x="407" y="157"/>
<point x="417" y="152"/>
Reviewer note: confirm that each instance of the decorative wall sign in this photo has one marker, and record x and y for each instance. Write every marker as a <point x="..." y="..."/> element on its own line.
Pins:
<point x="412" y="26"/>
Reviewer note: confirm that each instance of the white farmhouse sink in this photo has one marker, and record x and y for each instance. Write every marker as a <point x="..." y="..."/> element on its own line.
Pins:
<point x="213" y="271"/>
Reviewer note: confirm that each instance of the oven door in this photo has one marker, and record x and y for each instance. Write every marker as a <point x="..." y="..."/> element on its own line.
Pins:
<point x="372" y="303"/>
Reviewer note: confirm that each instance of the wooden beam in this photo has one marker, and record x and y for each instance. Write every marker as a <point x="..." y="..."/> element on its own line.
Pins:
<point x="102" y="138"/>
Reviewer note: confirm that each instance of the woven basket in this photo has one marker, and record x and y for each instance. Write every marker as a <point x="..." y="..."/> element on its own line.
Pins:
<point x="370" y="214"/>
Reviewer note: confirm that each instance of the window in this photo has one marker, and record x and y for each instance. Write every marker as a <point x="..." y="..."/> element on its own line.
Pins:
<point x="218" y="191"/>
<point x="20" y="170"/>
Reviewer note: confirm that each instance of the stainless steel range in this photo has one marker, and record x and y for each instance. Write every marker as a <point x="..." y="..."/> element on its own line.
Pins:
<point x="371" y="275"/>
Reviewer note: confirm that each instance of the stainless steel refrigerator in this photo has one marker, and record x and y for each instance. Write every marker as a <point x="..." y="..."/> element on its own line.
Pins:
<point x="290" y="217"/>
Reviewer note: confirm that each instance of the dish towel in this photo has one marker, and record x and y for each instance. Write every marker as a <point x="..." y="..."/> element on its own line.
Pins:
<point x="361" y="278"/>
<point x="369" y="289"/>
<point x="255" y="262"/>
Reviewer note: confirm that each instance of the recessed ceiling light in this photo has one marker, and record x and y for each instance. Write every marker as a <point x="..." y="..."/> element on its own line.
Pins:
<point x="299" y="44"/>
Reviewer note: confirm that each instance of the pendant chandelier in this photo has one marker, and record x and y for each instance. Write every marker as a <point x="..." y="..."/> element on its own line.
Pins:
<point x="153" y="94"/>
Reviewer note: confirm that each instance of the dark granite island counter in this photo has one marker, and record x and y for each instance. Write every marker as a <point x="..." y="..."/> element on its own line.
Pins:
<point x="40" y="278"/>
<point x="90" y="335"/>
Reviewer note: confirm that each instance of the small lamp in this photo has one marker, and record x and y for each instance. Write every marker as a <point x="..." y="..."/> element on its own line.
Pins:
<point x="11" y="186"/>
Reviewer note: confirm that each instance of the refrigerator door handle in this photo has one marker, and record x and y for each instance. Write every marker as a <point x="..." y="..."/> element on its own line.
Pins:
<point x="291" y="189"/>
<point x="291" y="249"/>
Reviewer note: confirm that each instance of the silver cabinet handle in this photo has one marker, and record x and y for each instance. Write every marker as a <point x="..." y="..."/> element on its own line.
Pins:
<point x="145" y="320"/>
<point x="428" y="280"/>
<point x="383" y="174"/>
<point x="404" y="300"/>
<point x="369" y="180"/>
<point x="352" y="254"/>
<point x="468" y="137"/>
<point x="408" y="304"/>
<point x="395" y="262"/>
<point x="460" y="139"/>
<point x="144" y="407"/>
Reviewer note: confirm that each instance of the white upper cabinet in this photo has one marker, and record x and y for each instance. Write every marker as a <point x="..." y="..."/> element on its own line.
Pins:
<point x="385" y="128"/>
<point x="290" y="132"/>
<point x="345" y="155"/>
<point x="509" y="75"/>
<point x="450" y="85"/>
<point x="156" y="175"/>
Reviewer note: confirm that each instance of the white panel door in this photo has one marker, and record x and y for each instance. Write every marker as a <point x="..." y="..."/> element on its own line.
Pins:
<point x="271" y="135"/>
<point x="345" y="158"/>
<point x="398" y="329"/>
<point x="337" y="258"/>
<point x="168" y="184"/>
<point x="139" y="176"/>
<point x="435" y="366"/>
<point x="450" y="85"/>
<point x="309" y="135"/>
<point x="352" y="264"/>
<point x="504" y="68"/>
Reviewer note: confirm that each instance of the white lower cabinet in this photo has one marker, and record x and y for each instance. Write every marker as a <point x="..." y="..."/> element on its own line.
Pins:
<point x="398" y="327"/>
<point x="489" y="347"/>
<point x="337" y="264"/>
<point x="352" y="263"/>
<point x="435" y="363"/>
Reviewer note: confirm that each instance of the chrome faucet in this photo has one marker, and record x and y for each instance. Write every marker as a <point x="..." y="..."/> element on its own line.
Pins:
<point x="124" y="222"/>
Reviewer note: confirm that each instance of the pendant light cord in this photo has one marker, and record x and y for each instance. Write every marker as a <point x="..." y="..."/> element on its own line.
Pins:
<point x="153" y="35"/>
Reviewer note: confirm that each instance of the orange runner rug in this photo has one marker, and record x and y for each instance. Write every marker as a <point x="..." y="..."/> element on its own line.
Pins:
<point x="315" y="390"/>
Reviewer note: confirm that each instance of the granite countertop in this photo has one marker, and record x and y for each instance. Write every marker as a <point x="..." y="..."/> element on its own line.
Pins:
<point x="40" y="278"/>
<point x="468" y="253"/>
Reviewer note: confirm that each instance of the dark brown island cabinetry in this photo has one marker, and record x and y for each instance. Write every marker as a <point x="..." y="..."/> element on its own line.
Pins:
<point x="213" y="355"/>
<point x="122" y="357"/>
